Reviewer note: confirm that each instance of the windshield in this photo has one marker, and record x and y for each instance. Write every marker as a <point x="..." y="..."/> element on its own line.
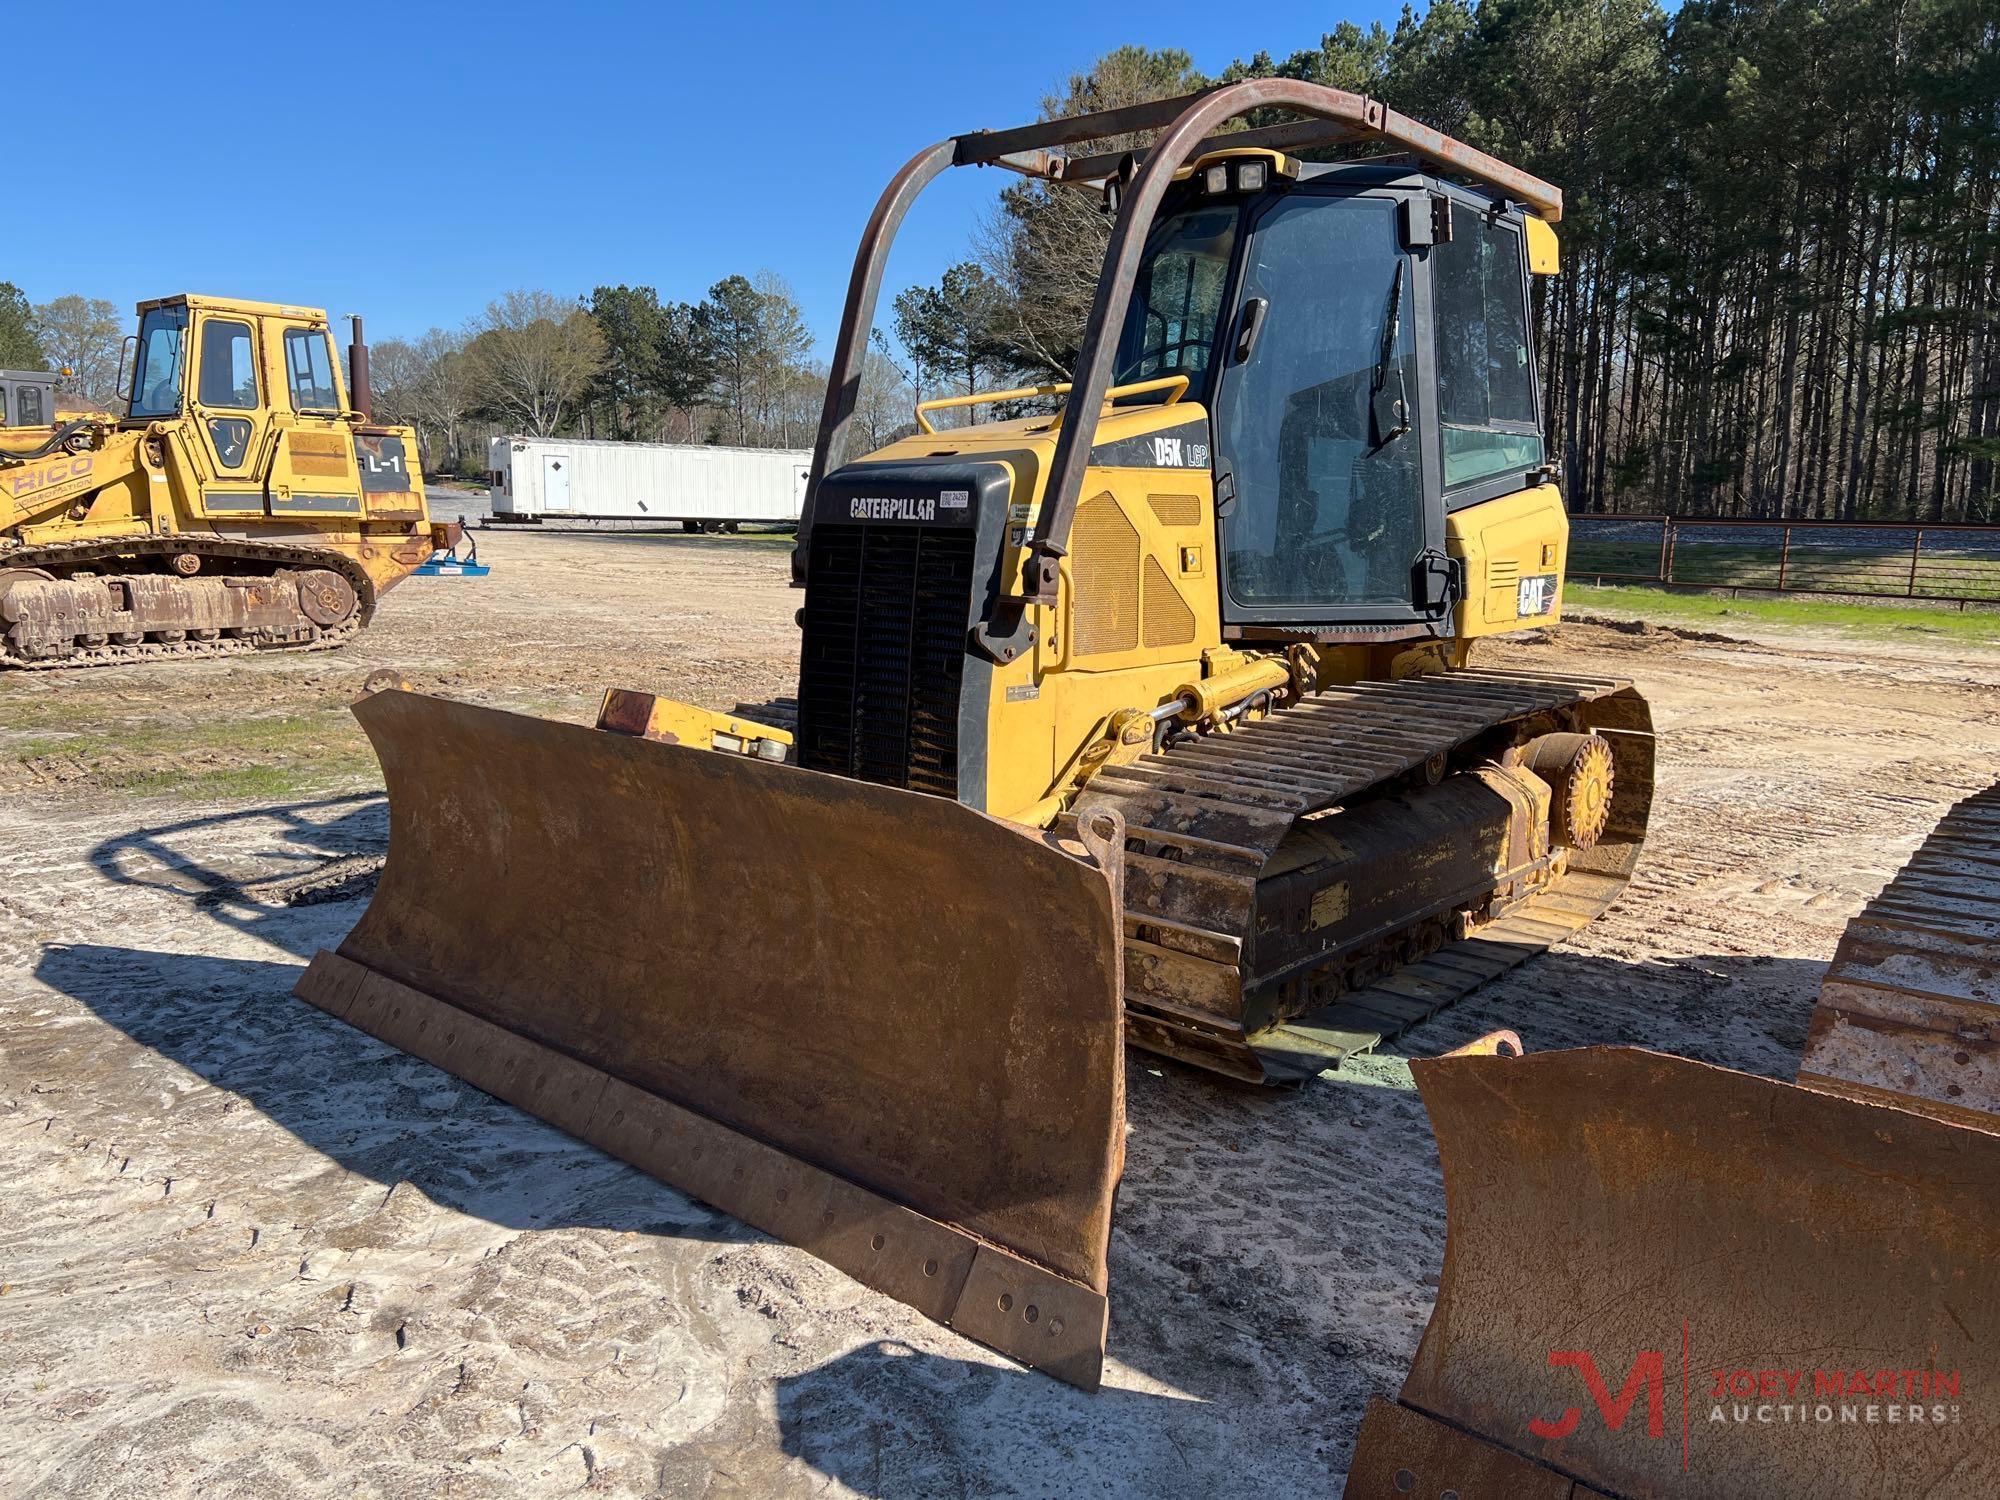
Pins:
<point x="156" y="382"/>
<point x="1170" y="325"/>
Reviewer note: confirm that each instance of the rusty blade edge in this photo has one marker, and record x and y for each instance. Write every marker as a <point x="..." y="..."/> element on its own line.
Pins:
<point x="1402" y="1449"/>
<point x="981" y="1290"/>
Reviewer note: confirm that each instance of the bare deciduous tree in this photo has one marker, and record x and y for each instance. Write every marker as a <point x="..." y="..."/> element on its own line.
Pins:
<point x="533" y="358"/>
<point x="426" y="385"/>
<point x="83" y="336"/>
<point x="884" y="403"/>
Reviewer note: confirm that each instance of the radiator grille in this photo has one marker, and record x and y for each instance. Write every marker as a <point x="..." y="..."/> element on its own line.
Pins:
<point x="1176" y="510"/>
<point x="887" y="609"/>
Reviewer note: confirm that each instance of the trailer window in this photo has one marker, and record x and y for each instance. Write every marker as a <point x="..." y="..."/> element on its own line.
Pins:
<point x="1486" y="379"/>
<point x="156" y="380"/>
<point x="309" y="367"/>
<point x="228" y="365"/>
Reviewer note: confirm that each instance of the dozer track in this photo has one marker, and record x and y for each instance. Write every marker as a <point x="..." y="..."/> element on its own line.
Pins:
<point x="1250" y="951"/>
<point x="1909" y="1011"/>
<point x="245" y="597"/>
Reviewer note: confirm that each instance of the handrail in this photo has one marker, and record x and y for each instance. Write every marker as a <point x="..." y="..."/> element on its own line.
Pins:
<point x="1178" y="383"/>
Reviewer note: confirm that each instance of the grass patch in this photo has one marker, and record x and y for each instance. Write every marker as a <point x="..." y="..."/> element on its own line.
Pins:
<point x="259" y="757"/>
<point x="1876" y="621"/>
<point x="254" y="783"/>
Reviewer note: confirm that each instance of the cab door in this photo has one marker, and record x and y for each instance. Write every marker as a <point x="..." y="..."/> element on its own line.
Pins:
<point x="1322" y="440"/>
<point x="312" y="470"/>
<point x="231" y="418"/>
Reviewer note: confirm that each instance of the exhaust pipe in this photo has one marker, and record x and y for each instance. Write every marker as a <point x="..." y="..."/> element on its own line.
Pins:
<point x="357" y="371"/>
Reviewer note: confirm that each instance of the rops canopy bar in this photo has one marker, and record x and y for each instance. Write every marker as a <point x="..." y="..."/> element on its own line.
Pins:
<point x="1333" y="115"/>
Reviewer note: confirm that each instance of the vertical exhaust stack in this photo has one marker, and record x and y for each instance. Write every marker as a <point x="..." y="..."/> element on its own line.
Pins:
<point x="357" y="371"/>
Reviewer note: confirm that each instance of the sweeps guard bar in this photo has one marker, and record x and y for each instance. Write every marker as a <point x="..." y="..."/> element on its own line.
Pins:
<point x="1333" y="115"/>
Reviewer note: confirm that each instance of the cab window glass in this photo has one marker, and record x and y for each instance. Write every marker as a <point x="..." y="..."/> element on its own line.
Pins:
<point x="228" y="365"/>
<point x="28" y="406"/>
<point x="1329" y="508"/>
<point x="1170" y="323"/>
<point x="1486" y="383"/>
<point x="156" y="377"/>
<point x="309" y="368"/>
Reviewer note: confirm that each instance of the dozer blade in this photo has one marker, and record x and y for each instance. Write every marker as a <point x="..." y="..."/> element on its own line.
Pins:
<point x="874" y="1024"/>
<point x="1666" y="1278"/>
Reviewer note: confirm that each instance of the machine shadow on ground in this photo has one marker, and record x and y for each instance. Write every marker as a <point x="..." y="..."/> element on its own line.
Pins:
<point x="1261" y="1233"/>
<point x="877" y="1420"/>
<point x="273" y="847"/>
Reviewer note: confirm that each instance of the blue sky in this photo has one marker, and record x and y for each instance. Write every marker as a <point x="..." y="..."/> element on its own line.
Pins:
<point x="411" y="162"/>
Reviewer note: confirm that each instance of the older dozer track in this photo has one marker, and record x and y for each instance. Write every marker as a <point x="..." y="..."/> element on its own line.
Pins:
<point x="1154" y="718"/>
<point x="240" y="503"/>
<point x="1666" y="1278"/>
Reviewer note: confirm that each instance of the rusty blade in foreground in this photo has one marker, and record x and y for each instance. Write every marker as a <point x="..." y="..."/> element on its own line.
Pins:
<point x="875" y="1024"/>
<point x="1625" y="1225"/>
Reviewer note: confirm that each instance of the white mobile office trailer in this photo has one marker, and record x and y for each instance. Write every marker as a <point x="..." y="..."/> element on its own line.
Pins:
<point x="533" y="479"/>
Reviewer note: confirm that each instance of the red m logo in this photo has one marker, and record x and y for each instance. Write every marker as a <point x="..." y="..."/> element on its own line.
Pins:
<point x="1649" y="1368"/>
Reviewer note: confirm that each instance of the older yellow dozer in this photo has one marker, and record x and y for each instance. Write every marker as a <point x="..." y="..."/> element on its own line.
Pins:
<point x="1155" y="719"/>
<point x="243" y="502"/>
<point x="1667" y="1278"/>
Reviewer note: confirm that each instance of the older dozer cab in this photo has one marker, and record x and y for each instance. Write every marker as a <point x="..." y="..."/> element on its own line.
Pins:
<point x="241" y="503"/>
<point x="1155" y="719"/>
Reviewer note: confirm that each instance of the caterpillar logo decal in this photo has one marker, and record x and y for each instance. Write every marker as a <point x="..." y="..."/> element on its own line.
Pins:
<point x="892" y="508"/>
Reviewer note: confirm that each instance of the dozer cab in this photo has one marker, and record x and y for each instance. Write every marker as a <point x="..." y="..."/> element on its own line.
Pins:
<point x="1154" y="718"/>
<point x="243" y="502"/>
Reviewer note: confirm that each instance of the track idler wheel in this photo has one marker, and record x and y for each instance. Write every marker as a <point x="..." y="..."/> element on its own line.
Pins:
<point x="326" y="597"/>
<point x="1577" y="768"/>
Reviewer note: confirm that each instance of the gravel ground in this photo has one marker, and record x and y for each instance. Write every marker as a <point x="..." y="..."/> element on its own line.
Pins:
<point x="245" y="1250"/>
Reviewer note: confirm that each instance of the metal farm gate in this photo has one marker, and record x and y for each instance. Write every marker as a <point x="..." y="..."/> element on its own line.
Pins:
<point x="1936" y="564"/>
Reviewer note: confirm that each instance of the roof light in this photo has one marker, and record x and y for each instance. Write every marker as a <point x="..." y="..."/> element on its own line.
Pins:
<point x="1250" y="176"/>
<point x="1216" y="178"/>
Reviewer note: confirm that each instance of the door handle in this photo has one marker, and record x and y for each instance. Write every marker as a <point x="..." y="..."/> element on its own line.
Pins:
<point x="1249" y="323"/>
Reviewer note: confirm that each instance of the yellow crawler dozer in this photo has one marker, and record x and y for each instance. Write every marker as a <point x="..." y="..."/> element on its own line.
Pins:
<point x="243" y="502"/>
<point x="1154" y="719"/>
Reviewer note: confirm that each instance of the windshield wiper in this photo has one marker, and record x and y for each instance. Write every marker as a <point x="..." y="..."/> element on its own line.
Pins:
<point x="1388" y="407"/>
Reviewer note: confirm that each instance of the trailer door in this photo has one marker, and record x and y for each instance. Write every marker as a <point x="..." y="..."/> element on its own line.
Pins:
<point x="555" y="481"/>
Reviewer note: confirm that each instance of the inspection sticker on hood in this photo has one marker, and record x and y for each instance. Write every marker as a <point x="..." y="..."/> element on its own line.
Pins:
<point x="954" y="499"/>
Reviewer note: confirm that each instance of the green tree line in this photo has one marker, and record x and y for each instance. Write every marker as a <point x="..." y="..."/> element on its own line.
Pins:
<point x="1781" y="238"/>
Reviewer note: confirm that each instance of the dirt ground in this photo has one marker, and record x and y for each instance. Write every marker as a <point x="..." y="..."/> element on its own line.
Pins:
<point x="246" y="1251"/>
